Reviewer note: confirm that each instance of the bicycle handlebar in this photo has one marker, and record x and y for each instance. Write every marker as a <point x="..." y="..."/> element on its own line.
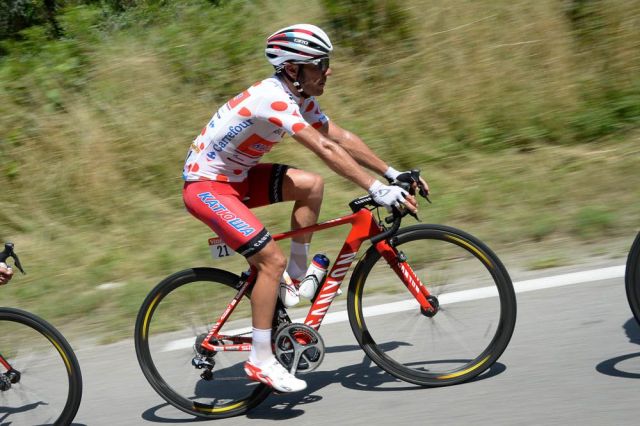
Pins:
<point x="9" y="252"/>
<point x="396" y="220"/>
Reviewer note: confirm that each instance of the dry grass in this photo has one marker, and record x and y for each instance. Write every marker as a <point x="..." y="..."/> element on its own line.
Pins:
<point x="480" y="99"/>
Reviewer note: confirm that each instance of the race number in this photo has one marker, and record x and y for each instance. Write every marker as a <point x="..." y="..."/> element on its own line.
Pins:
<point x="219" y="248"/>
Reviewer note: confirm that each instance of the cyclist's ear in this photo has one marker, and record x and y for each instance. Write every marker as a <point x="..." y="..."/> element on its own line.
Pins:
<point x="291" y="70"/>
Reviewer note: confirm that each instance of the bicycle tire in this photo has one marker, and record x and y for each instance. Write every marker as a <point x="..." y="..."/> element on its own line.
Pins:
<point x="444" y="253"/>
<point x="37" y="363"/>
<point x="632" y="278"/>
<point x="175" y="298"/>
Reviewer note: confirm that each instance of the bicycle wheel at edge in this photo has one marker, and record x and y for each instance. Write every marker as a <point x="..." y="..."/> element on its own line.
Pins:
<point x="182" y="307"/>
<point x="632" y="278"/>
<point x="50" y="386"/>
<point x="472" y="327"/>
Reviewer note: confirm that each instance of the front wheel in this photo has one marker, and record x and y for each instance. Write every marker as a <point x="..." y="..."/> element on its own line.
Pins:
<point x="632" y="278"/>
<point x="40" y="380"/>
<point x="174" y="318"/>
<point x="475" y="320"/>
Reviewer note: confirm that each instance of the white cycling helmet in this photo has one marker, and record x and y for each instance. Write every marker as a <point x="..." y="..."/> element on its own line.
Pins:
<point x="297" y="43"/>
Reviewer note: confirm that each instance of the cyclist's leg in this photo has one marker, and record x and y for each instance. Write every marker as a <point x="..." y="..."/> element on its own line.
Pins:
<point x="272" y="183"/>
<point x="219" y="205"/>
<point x="262" y="365"/>
<point x="270" y="263"/>
<point x="306" y="189"/>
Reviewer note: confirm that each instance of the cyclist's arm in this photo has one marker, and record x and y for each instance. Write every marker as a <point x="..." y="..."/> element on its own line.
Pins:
<point x="338" y="159"/>
<point x="343" y="164"/>
<point x="359" y="150"/>
<point x="356" y="148"/>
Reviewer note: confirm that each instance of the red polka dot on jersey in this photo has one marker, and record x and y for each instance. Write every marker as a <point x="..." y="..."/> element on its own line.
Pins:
<point x="245" y="112"/>
<point x="237" y="172"/>
<point x="222" y="178"/>
<point x="195" y="168"/>
<point x="310" y="106"/>
<point x="275" y="121"/>
<point x="279" y="106"/>
<point x="298" y="126"/>
<point x="204" y="129"/>
<point x="201" y="145"/>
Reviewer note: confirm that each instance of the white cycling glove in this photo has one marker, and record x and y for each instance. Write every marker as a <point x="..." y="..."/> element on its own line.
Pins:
<point x="391" y="174"/>
<point x="387" y="195"/>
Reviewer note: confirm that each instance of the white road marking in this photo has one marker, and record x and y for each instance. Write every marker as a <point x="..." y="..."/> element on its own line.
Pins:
<point x="459" y="296"/>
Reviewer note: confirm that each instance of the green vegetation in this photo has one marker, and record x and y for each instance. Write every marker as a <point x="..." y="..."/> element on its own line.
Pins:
<point x="524" y="117"/>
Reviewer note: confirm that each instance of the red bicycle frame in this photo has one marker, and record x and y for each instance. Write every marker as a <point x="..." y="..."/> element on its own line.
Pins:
<point x="363" y="227"/>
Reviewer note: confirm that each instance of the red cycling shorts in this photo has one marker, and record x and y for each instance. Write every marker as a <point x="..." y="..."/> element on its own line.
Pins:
<point x="225" y="206"/>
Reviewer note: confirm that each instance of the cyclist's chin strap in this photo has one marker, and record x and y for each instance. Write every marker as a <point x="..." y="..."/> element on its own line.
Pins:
<point x="295" y="81"/>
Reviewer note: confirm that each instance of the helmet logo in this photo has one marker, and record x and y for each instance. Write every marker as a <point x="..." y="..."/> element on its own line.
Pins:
<point x="300" y="41"/>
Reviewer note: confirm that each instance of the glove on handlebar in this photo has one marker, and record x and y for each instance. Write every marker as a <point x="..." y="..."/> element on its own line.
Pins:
<point x="387" y="195"/>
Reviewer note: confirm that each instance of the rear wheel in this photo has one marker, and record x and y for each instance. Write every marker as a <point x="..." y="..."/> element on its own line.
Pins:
<point x="632" y="278"/>
<point x="40" y="378"/>
<point x="474" y="321"/>
<point x="177" y="314"/>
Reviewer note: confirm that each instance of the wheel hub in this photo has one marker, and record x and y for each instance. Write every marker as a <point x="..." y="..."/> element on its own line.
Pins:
<point x="435" y="307"/>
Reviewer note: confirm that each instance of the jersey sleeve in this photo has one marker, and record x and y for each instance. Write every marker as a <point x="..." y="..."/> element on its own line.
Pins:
<point x="312" y="113"/>
<point x="281" y="111"/>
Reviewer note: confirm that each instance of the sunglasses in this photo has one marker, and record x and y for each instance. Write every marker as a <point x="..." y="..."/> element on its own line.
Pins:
<point x="321" y="63"/>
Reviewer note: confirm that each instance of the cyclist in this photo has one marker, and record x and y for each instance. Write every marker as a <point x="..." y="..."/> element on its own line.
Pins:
<point x="6" y="272"/>
<point x="224" y="178"/>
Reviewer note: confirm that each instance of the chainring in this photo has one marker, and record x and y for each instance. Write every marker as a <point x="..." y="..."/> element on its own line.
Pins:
<point x="299" y="348"/>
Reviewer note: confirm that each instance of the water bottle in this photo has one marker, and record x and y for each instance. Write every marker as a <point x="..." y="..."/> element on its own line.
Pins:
<point x="314" y="277"/>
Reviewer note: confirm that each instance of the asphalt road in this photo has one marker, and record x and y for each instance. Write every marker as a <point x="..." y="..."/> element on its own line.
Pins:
<point x="574" y="359"/>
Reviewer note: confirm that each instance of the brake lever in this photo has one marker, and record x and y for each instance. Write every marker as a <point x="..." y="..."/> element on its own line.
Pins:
<point x="424" y="192"/>
<point x="17" y="263"/>
<point x="405" y="210"/>
<point x="415" y="215"/>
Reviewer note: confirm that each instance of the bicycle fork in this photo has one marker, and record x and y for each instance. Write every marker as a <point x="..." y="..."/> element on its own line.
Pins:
<point x="429" y="304"/>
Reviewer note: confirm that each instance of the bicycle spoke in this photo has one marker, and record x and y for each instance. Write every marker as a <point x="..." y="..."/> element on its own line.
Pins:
<point x="421" y="347"/>
<point x="41" y="394"/>
<point x="196" y="380"/>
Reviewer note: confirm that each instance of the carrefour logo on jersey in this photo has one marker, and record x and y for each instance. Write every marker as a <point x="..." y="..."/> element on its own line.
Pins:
<point x="231" y="134"/>
<point x="221" y="210"/>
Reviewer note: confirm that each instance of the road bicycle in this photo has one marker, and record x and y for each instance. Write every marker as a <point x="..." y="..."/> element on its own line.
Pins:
<point x="40" y="379"/>
<point x="632" y="278"/>
<point x="193" y="329"/>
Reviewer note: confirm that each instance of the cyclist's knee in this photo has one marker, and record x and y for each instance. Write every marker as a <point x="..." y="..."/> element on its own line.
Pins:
<point x="306" y="184"/>
<point x="317" y="186"/>
<point x="269" y="261"/>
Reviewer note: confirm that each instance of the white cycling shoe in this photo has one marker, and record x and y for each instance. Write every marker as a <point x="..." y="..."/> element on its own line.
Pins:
<point x="288" y="291"/>
<point x="273" y="374"/>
